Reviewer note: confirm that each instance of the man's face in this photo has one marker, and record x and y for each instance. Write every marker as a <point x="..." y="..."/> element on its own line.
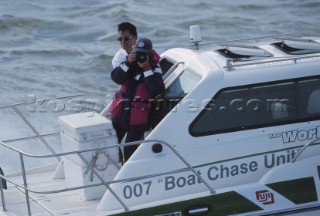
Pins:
<point x="126" y="40"/>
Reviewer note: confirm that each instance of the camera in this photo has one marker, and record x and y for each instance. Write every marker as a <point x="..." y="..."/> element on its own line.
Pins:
<point x="141" y="57"/>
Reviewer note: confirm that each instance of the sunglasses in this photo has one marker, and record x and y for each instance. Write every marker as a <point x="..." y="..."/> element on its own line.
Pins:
<point x="124" y="38"/>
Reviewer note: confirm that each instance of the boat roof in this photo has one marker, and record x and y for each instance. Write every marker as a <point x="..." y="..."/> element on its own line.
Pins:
<point x="250" y="58"/>
<point x="244" y="50"/>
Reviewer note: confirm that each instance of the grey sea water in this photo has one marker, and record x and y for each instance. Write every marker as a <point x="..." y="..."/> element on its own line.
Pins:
<point x="55" y="48"/>
<point x="58" y="48"/>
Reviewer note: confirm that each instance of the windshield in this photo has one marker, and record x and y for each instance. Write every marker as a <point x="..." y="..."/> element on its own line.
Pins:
<point x="182" y="85"/>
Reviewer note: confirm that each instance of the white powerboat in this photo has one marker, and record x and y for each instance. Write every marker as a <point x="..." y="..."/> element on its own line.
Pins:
<point x="237" y="132"/>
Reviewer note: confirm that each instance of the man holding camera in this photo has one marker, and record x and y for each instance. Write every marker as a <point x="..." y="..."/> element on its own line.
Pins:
<point x="140" y="81"/>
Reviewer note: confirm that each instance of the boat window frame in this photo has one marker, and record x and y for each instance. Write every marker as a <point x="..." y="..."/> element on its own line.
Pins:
<point x="298" y="119"/>
<point x="163" y="64"/>
<point x="285" y="47"/>
<point x="163" y="104"/>
<point x="179" y="74"/>
<point x="238" y="53"/>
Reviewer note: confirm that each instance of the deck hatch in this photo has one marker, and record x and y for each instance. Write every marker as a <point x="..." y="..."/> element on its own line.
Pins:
<point x="243" y="53"/>
<point x="297" y="47"/>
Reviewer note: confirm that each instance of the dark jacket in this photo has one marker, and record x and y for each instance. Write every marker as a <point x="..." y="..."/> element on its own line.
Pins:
<point x="138" y="87"/>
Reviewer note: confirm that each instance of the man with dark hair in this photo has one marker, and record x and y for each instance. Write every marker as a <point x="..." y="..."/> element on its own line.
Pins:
<point x="127" y="36"/>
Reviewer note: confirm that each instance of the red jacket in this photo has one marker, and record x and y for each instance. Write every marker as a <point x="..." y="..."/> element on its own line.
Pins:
<point x="138" y="87"/>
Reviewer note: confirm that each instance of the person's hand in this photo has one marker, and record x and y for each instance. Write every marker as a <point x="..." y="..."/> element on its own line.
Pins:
<point x="132" y="57"/>
<point x="145" y="64"/>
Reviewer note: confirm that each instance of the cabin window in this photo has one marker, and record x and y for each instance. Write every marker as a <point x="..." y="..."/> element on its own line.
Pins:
<point x="309" y="98"/>
<point x="258" y="106"/>
<point x="165" y="65"/>
<point x="182" y="85"/>
<point x="174" y="93"/>
<point x="247" y="107"/>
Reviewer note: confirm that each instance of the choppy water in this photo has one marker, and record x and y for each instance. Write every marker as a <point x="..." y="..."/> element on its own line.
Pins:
<point x="56" y="48"/>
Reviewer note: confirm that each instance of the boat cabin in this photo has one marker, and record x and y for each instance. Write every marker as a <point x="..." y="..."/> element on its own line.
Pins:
<point x="237" y="112"/>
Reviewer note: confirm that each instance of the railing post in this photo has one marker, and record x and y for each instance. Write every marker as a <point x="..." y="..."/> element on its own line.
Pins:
<point x="2" y="195"/>
<point x="25" y="183"/>
<point x="103" y="182"/>
<point x="34" y="130"/>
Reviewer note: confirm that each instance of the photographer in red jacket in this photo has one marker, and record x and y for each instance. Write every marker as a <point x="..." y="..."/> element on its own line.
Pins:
<point x="140" y="81"/>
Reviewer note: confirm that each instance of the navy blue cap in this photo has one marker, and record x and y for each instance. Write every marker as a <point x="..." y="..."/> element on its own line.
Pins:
<point x="143" y="45"/>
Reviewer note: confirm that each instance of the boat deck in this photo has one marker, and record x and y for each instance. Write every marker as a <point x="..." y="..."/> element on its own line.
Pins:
<point x="64" y="203"/>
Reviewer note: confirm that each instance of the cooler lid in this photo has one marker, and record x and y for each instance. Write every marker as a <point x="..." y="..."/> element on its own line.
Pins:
<point x="84" y="122"/>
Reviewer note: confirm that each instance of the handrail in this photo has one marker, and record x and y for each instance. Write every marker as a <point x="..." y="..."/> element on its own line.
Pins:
<point x="108" y="183"/>
<point x="267" y="37"/>
<point x="34" y="130"/>
<point x="47" y="99"/>
<point x="304" y="148"/>
<point x="30" y="137"/>
<point x="25" y="120"/>
<point x="230" y="66"/>
<point x="37" y="135"/>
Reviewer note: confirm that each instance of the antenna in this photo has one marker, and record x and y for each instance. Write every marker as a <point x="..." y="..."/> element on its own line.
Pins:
<point x="195" y="36"/>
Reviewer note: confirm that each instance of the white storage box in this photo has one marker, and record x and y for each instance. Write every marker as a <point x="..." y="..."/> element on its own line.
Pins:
<point x="83" y="131"/>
